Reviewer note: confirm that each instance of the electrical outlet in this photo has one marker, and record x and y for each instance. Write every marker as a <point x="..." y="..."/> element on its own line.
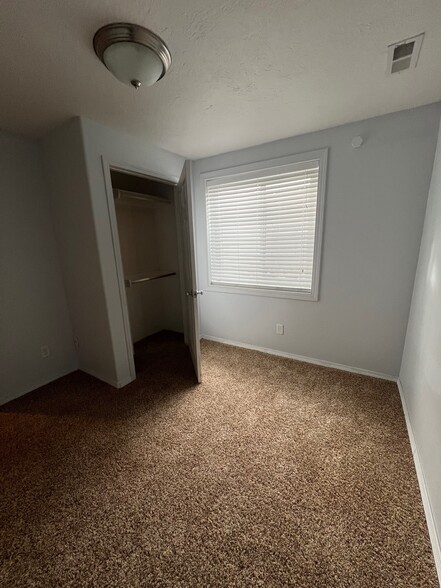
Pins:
<point x="45" y="351"/>
<point x="280" y="329"/>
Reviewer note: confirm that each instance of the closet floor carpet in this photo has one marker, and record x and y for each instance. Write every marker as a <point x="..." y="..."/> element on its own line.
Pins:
<point x="271" y="473"/>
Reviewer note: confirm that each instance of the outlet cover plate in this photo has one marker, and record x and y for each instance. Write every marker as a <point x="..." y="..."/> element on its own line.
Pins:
<point x="280" y="328"/>
<point x="45" y="351"/>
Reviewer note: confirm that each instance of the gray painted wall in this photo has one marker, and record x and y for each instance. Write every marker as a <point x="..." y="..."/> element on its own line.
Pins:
<point x="76" y="238"/>
<point x="375" y="203"/>
<point x="32" y="298"/>
<point x="420" y="373"/>
<point x="74" y="167"/>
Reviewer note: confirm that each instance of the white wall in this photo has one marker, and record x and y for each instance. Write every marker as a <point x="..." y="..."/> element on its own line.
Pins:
<point x="74" y="167"/>
<point x="76" y="239"/>
<point x="420" y="374"/>
<point x="128" y="153"/>
<point x="375" y="203"/>
<point x="32" y="298"/>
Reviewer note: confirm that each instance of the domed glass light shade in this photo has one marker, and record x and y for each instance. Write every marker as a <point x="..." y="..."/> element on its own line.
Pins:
<point x="134" y="55"/>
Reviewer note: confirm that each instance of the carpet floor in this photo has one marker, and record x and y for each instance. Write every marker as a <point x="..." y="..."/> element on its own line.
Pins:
<point x="271" y="473"/>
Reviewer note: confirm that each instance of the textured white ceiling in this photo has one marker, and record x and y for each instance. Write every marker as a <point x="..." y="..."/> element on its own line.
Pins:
<point x="244" y="71"/>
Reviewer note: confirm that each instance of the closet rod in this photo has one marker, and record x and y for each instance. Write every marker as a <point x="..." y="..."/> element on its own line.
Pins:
<point x="129" y="282"/>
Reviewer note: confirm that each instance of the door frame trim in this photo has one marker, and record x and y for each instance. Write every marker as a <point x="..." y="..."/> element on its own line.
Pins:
<point x="107" y="166"/>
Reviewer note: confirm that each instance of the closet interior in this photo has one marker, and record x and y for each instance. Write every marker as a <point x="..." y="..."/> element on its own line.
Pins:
<point x="147" y="229"/>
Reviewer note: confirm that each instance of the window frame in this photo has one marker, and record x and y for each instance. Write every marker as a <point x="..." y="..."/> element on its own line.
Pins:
<point x="320" y="155"/>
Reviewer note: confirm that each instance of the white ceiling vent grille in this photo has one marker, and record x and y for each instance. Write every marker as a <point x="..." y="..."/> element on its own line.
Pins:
<point x="404" y="54"/>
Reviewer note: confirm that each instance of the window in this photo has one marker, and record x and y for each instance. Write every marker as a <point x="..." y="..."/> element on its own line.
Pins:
<point x="264" y="226"/>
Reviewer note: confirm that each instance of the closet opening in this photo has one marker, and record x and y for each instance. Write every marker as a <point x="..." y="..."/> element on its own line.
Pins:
<point x="147" y="227"/>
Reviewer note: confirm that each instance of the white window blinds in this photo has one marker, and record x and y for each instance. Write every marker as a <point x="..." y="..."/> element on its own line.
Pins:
<point x="262" y="227"/>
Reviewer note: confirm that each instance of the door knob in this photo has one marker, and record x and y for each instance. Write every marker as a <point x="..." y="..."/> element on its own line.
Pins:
<point x="194" y="293"/>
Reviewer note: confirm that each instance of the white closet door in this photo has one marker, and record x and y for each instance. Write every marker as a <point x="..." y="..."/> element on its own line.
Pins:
<point x="188" y="268"/>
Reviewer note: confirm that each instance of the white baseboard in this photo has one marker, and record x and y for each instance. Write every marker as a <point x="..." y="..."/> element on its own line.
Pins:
<point x="37" y="384"/>
<point x="124" y="382"/>
<point x="323" y="362"/>
<point x="433" y="534"/>
<point x="114" y="383"/>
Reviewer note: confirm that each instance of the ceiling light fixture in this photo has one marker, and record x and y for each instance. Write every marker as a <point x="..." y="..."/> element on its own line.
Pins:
<point x="134" y="55"/>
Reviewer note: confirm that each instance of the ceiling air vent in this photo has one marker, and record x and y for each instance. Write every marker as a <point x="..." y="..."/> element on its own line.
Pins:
<point x="404" y="54"/>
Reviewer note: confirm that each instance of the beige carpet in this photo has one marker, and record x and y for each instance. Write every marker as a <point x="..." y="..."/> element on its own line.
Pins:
<point x="271" y="473"/>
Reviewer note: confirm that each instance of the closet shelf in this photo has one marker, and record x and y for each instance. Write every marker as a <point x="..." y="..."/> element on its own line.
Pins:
<point x="129" y="282"/>
<point x="148" y="199"/>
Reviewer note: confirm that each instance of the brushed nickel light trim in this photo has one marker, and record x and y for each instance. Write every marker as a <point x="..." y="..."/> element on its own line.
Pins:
<point x="119" y="32"/>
